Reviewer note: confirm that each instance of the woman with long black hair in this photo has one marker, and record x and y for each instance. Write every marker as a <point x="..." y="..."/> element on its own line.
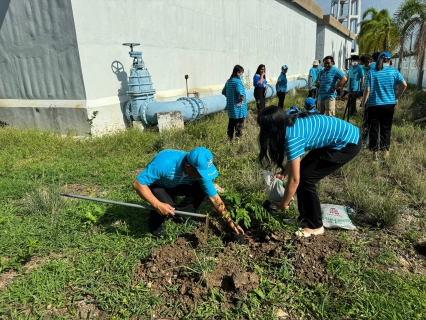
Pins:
<point x="379" y="97"/>
<point x="259" y="83"/>
<point x="236" y="103"/>
<point x="332" y="143"/>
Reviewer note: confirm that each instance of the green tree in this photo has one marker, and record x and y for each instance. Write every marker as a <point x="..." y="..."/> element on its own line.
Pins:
<point x="411" y="17"/>
<point x="378" y="32"/>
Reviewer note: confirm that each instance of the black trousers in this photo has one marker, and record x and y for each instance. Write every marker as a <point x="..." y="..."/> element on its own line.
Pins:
<point x="365" y="129"/>
<point x="315" y="166"/>
<point x="312" y="93"/>
<point x="259" y="96"/>
<point x="193" y="194"/>
<point x="281" y="98"/>
<point x="235" y="125"/>
<point x="380" y="121"/>
<point x="352" y="103"/>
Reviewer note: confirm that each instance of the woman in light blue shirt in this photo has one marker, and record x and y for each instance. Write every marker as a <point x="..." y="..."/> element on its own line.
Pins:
<point x="236" y="103"/>
<point x="259" y="83"/>
<point x="332" y="143"/>
<point x="379" y="95"/>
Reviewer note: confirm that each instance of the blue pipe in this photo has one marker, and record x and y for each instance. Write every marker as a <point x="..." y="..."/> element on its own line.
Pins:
<point x="142" y="106"/>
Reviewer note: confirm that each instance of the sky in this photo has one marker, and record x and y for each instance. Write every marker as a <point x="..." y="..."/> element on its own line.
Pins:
<point x="391" y="5"/>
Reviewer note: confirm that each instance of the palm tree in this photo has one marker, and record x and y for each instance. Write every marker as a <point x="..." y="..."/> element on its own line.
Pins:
<point x="378" y="32"/>
<point x="411" y="16"/>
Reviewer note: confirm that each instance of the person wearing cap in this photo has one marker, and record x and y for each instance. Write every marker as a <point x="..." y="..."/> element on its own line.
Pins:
<point x="236" y="103"/>
<point x="355" y="83"/>
<point x="174" y="173"/>
<point x="313" y="76"/>
<point x="379" y="96"/>
<point x="329" y="80"/>
<point x="259" y="83"/>
<point x="365" y="62"/>
<point x="281" y="86"/>
<point x="310" y="105"/>
<point x="332" y="143"/>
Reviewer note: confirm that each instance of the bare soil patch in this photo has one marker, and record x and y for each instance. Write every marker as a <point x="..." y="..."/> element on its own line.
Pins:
<point x="185" y="272"/>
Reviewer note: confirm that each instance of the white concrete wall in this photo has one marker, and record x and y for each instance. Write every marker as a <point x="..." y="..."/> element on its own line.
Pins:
<point x="201" y="38"/>
<point x="409" y="70"/>
<point x="330" y="42"/>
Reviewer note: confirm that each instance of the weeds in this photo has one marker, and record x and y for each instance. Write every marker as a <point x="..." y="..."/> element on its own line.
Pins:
<point x="90" y="259"/>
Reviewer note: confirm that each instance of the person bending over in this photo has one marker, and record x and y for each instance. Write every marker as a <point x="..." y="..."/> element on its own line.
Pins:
<point x="174" y="173"/>
<point x="332" y="143"/>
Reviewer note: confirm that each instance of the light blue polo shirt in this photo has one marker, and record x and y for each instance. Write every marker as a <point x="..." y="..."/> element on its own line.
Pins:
<point x="256" y="79"/>
<point x="382" y="85"/>
<point x="355" y="76"/>
<point x="328" y="80"/>
<point x="282" y="86"/>
<point x="313" y="72"/>
<point x="233" y="89"/>
<point x="166" y="170"/>
<point x="318" y="131"/>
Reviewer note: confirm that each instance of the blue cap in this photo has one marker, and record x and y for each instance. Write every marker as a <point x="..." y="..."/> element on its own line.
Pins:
<point x="310" y="105"/>
<point x="385" y="55"/>
<point x="202" y="160"/>
<point x="293" y="110"/>
<point x="284" y="67"/>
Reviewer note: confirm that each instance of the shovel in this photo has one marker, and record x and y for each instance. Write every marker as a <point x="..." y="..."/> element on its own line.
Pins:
<point x="133" y="205"/>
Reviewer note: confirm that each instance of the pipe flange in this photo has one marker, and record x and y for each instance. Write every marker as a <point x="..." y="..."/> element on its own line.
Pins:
<point x="196" y="104"/>
<point x="128" y="110"/>
<point x="142" y="111"/>
<point x="201" y="108"/>
<point x="271" y="87"/>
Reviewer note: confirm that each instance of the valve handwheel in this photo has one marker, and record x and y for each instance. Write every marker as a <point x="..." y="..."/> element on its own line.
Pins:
<point x="131" y="45"/>
<point x="117" y="67"/>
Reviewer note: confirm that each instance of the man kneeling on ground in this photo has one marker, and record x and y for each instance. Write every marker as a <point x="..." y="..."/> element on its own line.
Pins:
<point x="173" y="173"/>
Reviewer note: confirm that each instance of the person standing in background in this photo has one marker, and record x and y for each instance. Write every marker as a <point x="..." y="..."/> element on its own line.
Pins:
<point x="236" y="103"/>
<point x="355" y="83"/>
<point x="379" y="95"/>
<point x="313" y="76"/>
<point x="259" y="83"/>
<point x="329" y="80"/>
<point x="366" y="61"/>
<point x="281" y="86"/>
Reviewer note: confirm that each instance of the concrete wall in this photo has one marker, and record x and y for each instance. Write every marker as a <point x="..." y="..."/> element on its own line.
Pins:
<point x="201" y="38"/>
<point x="40" y="65"/>
<point x="409" y="70"/>
<point x="333" y="39"/>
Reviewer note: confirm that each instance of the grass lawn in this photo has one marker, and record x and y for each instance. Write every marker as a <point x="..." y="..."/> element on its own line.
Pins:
<point x="63" y="258"/>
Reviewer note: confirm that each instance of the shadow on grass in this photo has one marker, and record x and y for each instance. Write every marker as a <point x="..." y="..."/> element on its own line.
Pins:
<point x="126" y="221"/>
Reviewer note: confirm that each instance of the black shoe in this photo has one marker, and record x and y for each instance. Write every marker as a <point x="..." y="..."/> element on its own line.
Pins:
<point x="160" y="231"/>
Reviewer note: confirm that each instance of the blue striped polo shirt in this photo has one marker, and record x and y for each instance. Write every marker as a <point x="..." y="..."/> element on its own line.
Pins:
<point x="328" y="80"/>
<point x="256" y="79"/>
<point x="355" y="74"/>
<point x="382" y="85"/>
<point x="318" y="131"/>
<point x="233" y="89"/>
<point x="313" y="72"/>
<point x="166" y="170"/>
<point x="282" y="79"/>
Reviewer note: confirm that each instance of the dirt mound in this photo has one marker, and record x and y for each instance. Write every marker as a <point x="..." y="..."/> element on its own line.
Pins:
<point x="187" y="271"/>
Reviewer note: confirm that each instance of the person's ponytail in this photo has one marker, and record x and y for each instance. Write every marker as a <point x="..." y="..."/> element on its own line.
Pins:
<point x="379" y="64"/>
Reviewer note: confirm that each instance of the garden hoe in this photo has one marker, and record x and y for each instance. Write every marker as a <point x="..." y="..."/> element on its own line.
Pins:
<point x="180" y="213"/>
